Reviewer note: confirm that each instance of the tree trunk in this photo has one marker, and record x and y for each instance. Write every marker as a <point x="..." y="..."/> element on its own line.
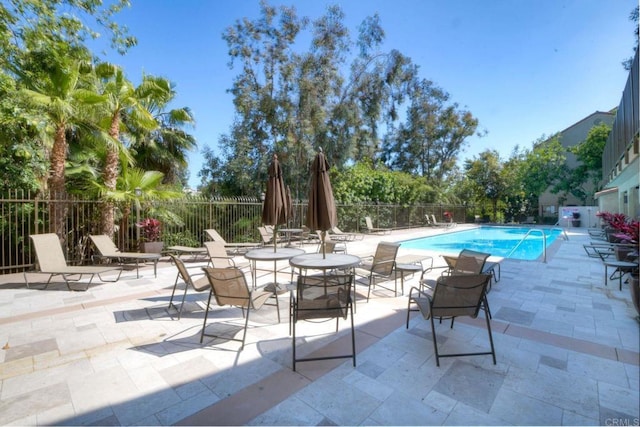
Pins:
<point x="110" y="178"/>
<point x="58" y="208"/>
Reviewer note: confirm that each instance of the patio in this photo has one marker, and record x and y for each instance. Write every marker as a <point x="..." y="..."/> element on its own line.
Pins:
<point x="567" y="349"/>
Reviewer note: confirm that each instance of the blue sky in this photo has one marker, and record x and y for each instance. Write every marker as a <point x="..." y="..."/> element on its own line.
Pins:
<point x="524" y="68"/>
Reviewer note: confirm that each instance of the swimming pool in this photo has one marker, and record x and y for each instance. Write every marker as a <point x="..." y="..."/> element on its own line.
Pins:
<point x="498" y="241"/>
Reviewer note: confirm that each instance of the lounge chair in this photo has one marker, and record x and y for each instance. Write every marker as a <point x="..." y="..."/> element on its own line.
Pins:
<point x="108" y="250"/>
<point x="599" y="250"/>
<point x="50" y="260"/>
<point x="321" y="297"/>
<point x="219" y="258"/>
<point x="375" y="230"/>
<point x="337" y="234"/>
<point x="235" y="248"/>
<point x="597" y="233"/>
<point x="441" y="224"/>
<point x="429" y="221"/>
<point x="267" y="233"/>
<point x="451" y="297"/>
<point x="229" y="287"/>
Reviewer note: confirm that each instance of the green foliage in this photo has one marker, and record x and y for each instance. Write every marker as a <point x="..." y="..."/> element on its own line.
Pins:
<point x="485" y="172"/>
<point x="292" y="101"/>
<point x="589" y="171"/>
<point x="361" y="182"/>
<point x="22" y="162"/>
<point x="181" y="238"/>
<point x="432" y="136"/>
<point x="541" y="167"/>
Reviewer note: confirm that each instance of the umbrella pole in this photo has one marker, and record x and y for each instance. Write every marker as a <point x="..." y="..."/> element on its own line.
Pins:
<point x="275" y="238"/>
<point x="323" y="235"/>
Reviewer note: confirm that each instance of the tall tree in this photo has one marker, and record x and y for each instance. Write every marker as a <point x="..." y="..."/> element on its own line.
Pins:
<point x="120" y="98"/>
<point x="69" y="22"/>
<point x="485" y="172"/>
<point x="294" y="103"/>
<point x="585" y="178"/>
<point x="541" y="167"/>
<point x="433" y="135"/>
<point x="43" y="45"/>
<point x="164" y="146"/>
<point x="60" y="95"/>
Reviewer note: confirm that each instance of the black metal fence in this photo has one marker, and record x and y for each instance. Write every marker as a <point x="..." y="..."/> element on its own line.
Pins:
<point x="236" y="219"/>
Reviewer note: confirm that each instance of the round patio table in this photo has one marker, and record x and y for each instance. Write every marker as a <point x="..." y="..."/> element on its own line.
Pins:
<point x="268" y="254"/>
<point x="290" y="232"/>
<point x="328" y="262"/>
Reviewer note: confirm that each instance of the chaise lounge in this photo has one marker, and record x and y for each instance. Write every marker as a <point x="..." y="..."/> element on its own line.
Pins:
<point x="50" y="260"/>
<point x="108" y="250"/>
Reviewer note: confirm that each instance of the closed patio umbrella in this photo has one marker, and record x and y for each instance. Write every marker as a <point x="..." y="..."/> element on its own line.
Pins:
<point x="275" y="208"/>
<point x="289" y="204"/>
<point x="321" y="211"/>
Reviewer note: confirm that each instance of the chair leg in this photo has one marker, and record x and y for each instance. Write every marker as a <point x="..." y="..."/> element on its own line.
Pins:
<point x="246" y="325"/>
<point x="206" y="314"/>
<point x="435" y="342"/>
<point x="293" y="341"/>
<point x="486" y="316"/>
<point x="275" y="295"/>
<point x="353" y="337"/>
<point x="408" y="311"/>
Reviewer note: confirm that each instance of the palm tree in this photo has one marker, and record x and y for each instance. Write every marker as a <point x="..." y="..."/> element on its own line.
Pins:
<point x="136" y="187"/>
<point x="59" y="92"/>
<point x="121" y="99"/>
<point x="165" y="148"/>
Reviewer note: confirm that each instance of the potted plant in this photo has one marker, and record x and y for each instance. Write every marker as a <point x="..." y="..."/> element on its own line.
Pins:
<point x="150" y="229"/>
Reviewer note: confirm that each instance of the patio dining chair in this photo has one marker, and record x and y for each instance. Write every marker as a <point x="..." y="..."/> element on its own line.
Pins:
<point x="195" y="280"/>
<point x="234" y="248"/>
<point x="380" y="266"/>
<point x="453" y="296"/>
<point x="472" y="262"/>
<point x="468" y="262"/>
<point x="317" y="298"/>
<point x="229" y="287"/>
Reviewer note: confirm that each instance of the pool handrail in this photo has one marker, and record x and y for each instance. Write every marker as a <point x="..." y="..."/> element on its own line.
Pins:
<point x="563" y="233"/>
<point x="544" y="244"/>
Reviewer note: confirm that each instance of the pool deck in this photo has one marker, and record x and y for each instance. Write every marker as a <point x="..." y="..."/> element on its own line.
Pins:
<point x="567" y="350"/>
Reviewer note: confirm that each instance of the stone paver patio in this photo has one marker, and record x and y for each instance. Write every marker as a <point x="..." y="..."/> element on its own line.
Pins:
<point x="567" y="349"/>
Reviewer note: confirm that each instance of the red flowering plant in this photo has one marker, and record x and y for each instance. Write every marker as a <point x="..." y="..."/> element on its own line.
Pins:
<point x="150" y="228"/>
<point x="629" y="232"/>
<point x="448" y="215"/>
<point x="613" y="220"/>
<point x="625" y="229"/>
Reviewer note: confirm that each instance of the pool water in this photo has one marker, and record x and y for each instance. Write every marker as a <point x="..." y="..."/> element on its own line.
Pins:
<point x="498" y="241"/>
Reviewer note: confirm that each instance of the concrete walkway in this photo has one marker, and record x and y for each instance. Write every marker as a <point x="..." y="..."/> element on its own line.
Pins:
<point x="567" y="351"/>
